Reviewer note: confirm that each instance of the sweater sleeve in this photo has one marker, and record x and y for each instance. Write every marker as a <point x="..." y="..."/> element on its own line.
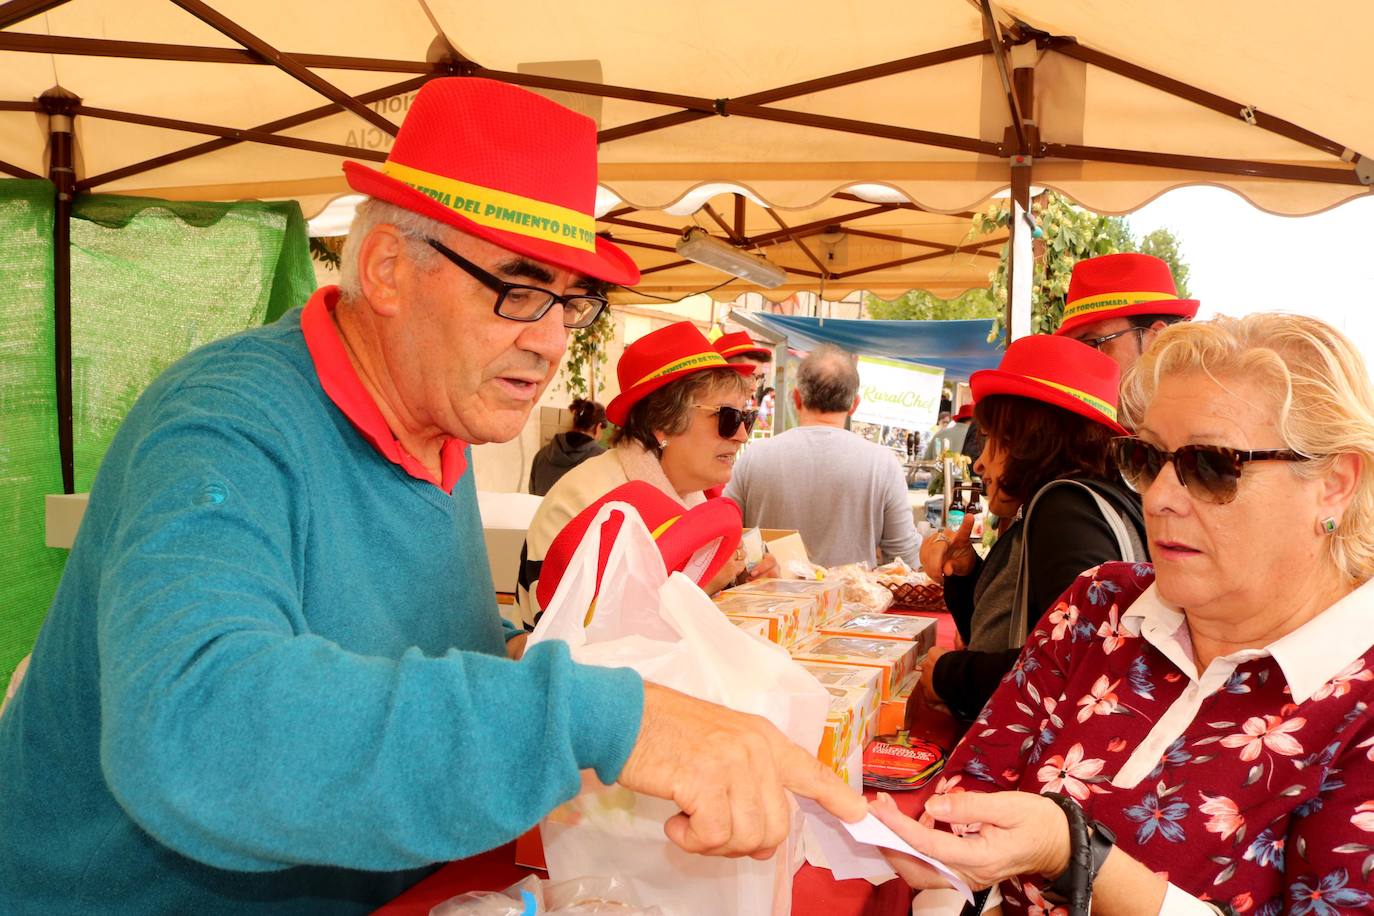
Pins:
<point x="235" y="736"/>
<point x="899" y="538"/>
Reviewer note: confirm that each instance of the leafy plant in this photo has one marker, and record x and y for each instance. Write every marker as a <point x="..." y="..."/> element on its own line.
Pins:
<point x="587" y="354"/>
<point x="326" y="250"/>
<point x="1070" y="234"/>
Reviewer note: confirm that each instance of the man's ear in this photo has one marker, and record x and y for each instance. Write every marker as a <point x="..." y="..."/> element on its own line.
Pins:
<point x="382" y="261"/>
<point x="855" y="406"/>
<point x="796" y="398"/>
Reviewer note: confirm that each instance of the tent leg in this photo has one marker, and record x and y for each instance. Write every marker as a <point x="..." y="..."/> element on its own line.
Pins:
<point x="1021" y="264"/>
<point x="62" y="172"/>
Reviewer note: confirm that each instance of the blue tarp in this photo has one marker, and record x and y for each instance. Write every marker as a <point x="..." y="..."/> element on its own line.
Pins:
<point x="959" y="347"/>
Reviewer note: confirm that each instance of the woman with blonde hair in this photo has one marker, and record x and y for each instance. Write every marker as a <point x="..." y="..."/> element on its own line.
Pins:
<point x="1194" y="736"/>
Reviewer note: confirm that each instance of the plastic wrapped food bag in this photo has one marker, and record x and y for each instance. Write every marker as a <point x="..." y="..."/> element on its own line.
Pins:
<point x="669" y="631"/>
<point x="532" y="897"/>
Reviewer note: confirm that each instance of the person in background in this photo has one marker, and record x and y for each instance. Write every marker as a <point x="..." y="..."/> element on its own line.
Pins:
<point x="766" y="409"/>
<point x="954" y="438"/>
<point x="846" y="496"/>
<point x="681" y="419"/>
<point x="566" y="451"/>
<point x="739" y="349"/>
<point x="1117" y="303"/>
<point x="1207" y="715"/>
<point x="273" y="678"/>
<point x="1049" y="414"/>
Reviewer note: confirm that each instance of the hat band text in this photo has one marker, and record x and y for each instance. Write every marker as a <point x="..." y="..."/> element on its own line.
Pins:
<point x="1091" y="400"/>
<point x="503" y="210"/>
<point x="1103" y="301"/>
<point x="708" y="360"/>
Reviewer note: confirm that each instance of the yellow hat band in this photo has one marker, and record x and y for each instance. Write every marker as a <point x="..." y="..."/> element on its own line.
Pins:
<point x="708" y="360"/>
<point x="1104" y="301"/>
<point x="1091" y="400"/>
<point x="500" y="209"/>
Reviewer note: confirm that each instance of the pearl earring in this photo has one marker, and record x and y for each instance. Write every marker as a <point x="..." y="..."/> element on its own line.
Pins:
<point x="1326" y="526"/>
<point x="662" y="443"/>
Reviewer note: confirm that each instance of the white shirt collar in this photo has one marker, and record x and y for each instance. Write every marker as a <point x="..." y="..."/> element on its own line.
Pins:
<point x="1310" y="656"/>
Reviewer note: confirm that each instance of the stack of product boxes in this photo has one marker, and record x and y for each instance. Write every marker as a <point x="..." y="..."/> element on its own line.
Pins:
<point x="867" y="661"/>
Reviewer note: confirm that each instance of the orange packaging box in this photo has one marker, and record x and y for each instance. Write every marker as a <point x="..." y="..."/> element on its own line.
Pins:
<point x="892" y="712"/>
<point x="762" y="627"/>
<point x="828" y="593"/>
<point x="921" y="630"/>
<point x="894" y="658"/>
<point x="854" y="678"/>
<point x="794" y="619"/>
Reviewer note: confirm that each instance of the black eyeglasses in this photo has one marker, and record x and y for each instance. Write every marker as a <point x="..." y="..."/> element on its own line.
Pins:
<point x="527" y="303"/>
<point x="729" y="419"/>
<point x="1210" y="472"/>
<point x="1097" y="342"/>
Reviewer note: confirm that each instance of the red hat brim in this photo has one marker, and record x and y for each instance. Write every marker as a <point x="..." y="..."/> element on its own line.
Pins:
<point x="618" y="411"/>
<point x="606" y="263"/>
<point x="1184" y="308"/>
<point x="988" y="382"/>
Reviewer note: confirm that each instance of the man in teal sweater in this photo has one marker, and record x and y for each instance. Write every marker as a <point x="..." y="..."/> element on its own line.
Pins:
<point x="273" y="679"/>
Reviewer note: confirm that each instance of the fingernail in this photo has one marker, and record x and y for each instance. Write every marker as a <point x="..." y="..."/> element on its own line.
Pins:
<point x="938" y="805"/>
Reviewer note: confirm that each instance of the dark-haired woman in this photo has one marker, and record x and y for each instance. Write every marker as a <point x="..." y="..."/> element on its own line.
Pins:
<point x="1048" y="414"/>
<point x="566" y="451"/>
<point x="682" y="419"/>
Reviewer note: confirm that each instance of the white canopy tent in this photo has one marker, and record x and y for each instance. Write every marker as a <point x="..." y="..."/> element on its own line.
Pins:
<point x="937" y="104"/>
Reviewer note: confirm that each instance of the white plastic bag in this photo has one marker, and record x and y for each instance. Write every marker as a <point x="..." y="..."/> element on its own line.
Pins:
<point x="670" y="632"/>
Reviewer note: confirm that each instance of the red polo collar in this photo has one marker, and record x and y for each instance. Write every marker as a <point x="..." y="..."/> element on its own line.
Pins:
<point x="340" y="381"/>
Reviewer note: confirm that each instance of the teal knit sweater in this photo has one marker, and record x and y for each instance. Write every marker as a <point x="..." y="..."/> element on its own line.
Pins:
<point x="273" y="677"/>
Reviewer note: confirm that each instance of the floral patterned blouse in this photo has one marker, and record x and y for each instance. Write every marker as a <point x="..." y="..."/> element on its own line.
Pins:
<point x="1249" y="784"/>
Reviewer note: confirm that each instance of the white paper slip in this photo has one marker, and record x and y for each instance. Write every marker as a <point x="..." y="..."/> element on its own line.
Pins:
<point x="852" y="849"/>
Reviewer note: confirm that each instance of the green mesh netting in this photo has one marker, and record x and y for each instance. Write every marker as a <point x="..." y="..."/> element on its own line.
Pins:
<point x="151" y="280"/>
<point x="28" y="418"/>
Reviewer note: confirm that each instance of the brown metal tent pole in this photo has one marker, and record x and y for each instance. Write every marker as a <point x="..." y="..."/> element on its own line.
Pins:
<point x="59" y="105"/>
<point x="19" y="10"/>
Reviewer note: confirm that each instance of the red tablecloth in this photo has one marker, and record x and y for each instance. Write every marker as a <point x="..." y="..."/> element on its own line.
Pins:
<point x="814" y="891"/>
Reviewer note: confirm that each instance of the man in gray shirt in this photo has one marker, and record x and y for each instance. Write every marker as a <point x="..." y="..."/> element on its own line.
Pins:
<point x="845" y="495"/>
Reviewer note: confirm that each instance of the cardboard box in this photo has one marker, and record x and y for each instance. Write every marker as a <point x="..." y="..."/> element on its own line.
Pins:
<point x="793" y="619"/>
<point x="920" y="630"/>
<point x="893" y="658"/>
<point x="758" y="626"/>
<point x="892" y="712"/>
<point x="784" y="544"/>
<point x="854" y="678"/>
<point x="62" y="517"/>
<point x="827" y="593"/>
<point x="505" y="519"/>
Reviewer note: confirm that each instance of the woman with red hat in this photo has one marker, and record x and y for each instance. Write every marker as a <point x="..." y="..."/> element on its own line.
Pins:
<point x="682" y="419"/>
<point x="1048" y="413"/>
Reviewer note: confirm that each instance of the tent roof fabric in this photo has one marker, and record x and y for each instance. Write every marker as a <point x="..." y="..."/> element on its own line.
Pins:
<point x="787" y="102"/>
<point x="959" y="347"/>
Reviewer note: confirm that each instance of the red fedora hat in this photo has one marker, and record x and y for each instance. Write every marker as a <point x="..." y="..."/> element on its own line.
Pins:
<point x="741" y="344"/>
<point x="1120" y="286"/>
<point x="965" y="412"/>
<point x="1058" y="371"/>
<point x="695" y="542"/>
<point x="503" y="164"/>
<point x="660" y="357"/>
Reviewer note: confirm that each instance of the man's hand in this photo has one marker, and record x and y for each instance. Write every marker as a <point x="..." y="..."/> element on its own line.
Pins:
<point x="1010" y="833"/>
<point x="726" y="575"/>
<point x="945" y="554"/>
<point x="515" y="646"/>
<point x="727" y="772"/>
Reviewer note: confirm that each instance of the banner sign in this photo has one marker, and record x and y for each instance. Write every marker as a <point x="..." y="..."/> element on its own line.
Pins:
<point x="892" y="393"/>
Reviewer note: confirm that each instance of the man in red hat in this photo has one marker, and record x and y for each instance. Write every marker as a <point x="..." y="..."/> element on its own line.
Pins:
<point x="1117" y="303"/>
<point x="739" y="348"/>
<point x="274" y="678"/>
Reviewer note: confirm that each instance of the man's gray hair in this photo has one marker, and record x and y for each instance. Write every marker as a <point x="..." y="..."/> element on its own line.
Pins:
<point x="372" y="213"/>
<point x="828" y="380"/>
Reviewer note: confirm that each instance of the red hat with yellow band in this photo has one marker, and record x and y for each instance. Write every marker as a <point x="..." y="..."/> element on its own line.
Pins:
<point x="1058" y="371"/>
<point x="503" y="164"/>
<point x="695" y="542"/>
<point x="741" y="344"/>
<point x="660" y="357"/>
<point x="1121" y="286"/>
